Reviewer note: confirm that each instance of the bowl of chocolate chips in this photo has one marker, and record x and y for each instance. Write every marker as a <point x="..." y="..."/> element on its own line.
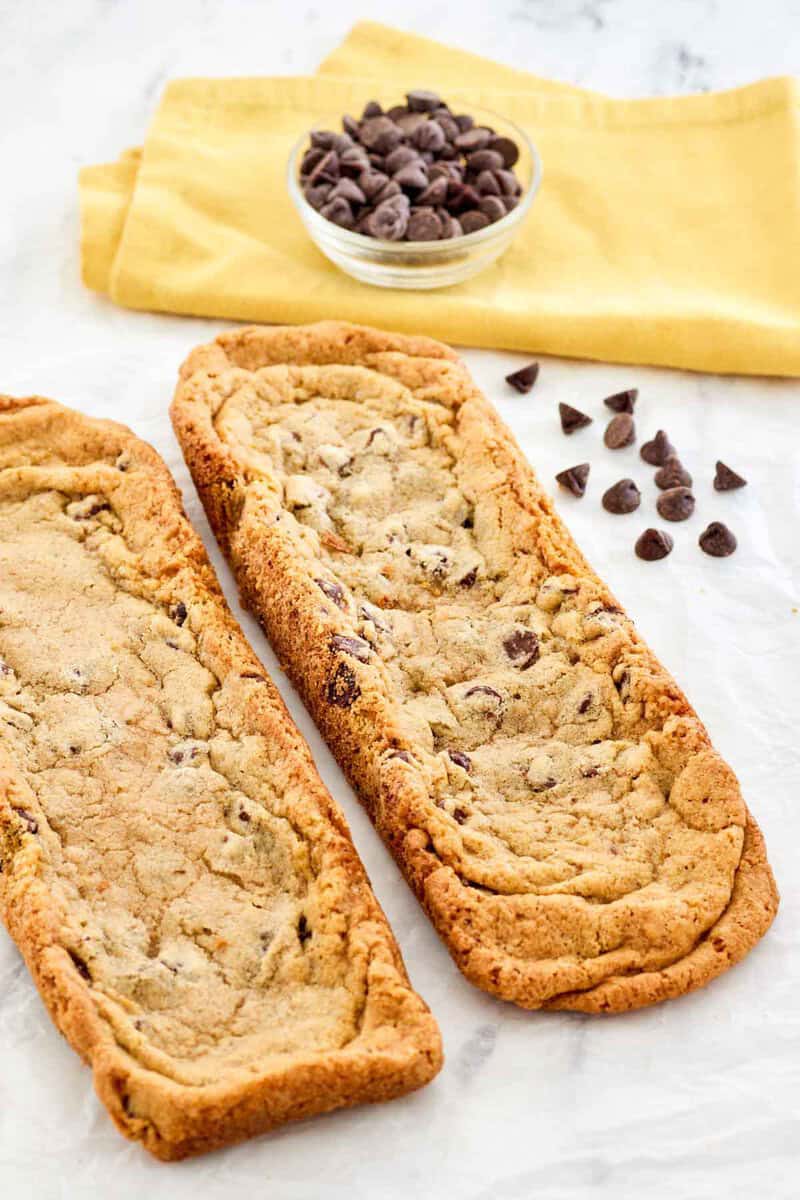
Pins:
<point x="416" y="194"/>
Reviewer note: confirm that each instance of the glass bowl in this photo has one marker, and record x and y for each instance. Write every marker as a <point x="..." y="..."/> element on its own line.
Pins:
<point x="420" y="265"/>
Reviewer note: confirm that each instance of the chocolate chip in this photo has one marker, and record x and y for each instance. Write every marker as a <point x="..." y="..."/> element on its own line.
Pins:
<point x="339" y="212"/>
<point x="354" y="646"/>
<point x="322" y="139"/>
<point x="676" y="504"/>
<point x="717" y="540"/>
<point x="423" y="225"/>
<point x="310" y="159"/>
<point x="524" y="379"/>
<point x="422" y="101"/>
<point x="572" y="418"/>
<point x="80" y="966"/>
<point x="303" y="932"/>
<point x="349" y="190"/>
<point x="464" y="121"/>
<point x="522" y="647"/>
<point x="435" y="193"/>
<point x="673" y="474"/>
<point x="178" y="613"/>
<point x="326" y="170"/>
<point x="620" y="432"/>
<point x="468" y="580"/>
<point x="400" y="157"/>
<point x="727" y="480"/>
<point x="333" y="591"/>
<point x="316" y="196"/>
<point x="484" y="160"/>
<point x="653" y="544"/>
<point x="389" y="221"/>
<point x="460" y="815"/>
<point x="403" y="755"/>
<point x="657" y="451"/>
<point x="473" y="220"/>
<point x="487" y="184"/>
<point x="343" y="689"/>
<point x="574" y="478"/>
<point x="372" y="183"/>
<point x="622" y="497"/>
<point x="381" y="135"/>
<point x="622" y="402"/>
<point x="508" y="150"/>
<point x="473" y="140"/>
<point x="371" y="109"/>
<point x="460" y="759"/>
<point x="29" y="820"/>
<point x="350" y="125"/>
<point x="585" y="704"/>
<point x="509" y="184"/>
<point x="429" y="136"/>
<point x="492" y="207"/>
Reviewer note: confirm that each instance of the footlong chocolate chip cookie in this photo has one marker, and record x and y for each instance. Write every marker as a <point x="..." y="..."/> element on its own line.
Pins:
<point x="545" y="786"/>
<point x="183" y="888"/>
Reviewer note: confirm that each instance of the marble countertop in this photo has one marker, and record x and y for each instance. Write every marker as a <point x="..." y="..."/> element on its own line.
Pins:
<point x="696" y="1099"/>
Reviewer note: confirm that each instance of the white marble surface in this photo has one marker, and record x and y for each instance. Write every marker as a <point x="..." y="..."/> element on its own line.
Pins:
<point x="695" y="1099"/>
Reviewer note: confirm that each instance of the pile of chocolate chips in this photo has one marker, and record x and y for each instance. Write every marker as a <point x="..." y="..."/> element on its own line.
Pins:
<point x="416" y="173"/>
<point x="676" y="501"/>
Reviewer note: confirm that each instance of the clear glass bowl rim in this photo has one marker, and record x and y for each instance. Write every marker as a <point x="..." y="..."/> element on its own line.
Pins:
<point x="359" y="243"/>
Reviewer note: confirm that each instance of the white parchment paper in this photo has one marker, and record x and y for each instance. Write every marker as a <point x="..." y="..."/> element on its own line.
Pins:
<point x="696" y="1098"/>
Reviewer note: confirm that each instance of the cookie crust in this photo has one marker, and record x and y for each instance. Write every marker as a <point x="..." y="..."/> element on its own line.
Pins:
<point x="171" y="1074"/>
<point x="601" y="951"/>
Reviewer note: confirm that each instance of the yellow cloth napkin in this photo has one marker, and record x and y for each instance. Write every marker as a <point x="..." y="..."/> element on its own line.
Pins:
<point x="666" y="231"/>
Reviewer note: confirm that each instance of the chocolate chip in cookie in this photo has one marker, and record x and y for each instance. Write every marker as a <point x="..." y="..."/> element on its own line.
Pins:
<point x="574" y="478"/>
<point x="620" y="431"/>
<point x="717" y="540"/>
<point x="572" y="418"/>
<point x="676" y="504"/>
<point x="727" y="480"/>
<point x="622" y="497"/>
<point x="653" y="544"/>
<point x="522" y="647"/>
<point x="356" y="647"/>
<point x="343" y="689"/>
<point x="524" y="379"/>
<point x="460" y="759"/>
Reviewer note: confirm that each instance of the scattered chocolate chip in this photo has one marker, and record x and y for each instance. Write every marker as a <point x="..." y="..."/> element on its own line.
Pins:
<point x="460" y="815"/>
<point x="620" y="431"/>
<point x="657" y="451"/>
<point x="589" y="772"/>
<point x="572" y="418"/>
<point x="354" y="646"/>
<point x="574" y="478"/>
<point x="244" y="816"/>
<point x="585" y="704"/>
<point x="343" y="689"/>
<point x="727" y="480"/>
<point x="622" y="497"/>
<point x="80" y="966"/>
<point x="522" y="647"/>
<point x="653" y="544"/>
<point x="333" y="591"/>
<point x="460" y="759"/>
<point x="673" y="474"/>
<point x="468" y="580"/>
<point x="403" y="755"/>
<point x="622" y="402"/>
<point x="523" y="380"/>
<point x="178" y="613"/>
<point x="676" y="504"/>
<point x="31" y="824"/>
<point x="303" y="932"/>
<point x="717" y="540"/>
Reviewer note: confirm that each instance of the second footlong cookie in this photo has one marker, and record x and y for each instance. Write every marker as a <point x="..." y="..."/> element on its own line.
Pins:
<point x="547" y="789"/>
